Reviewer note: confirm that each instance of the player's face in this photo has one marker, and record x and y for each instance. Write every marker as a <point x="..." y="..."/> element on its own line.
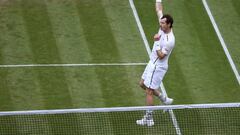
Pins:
<point x="164" y="26"/>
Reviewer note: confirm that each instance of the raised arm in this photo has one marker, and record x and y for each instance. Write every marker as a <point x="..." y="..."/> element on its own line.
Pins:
<point x="159" y="9"/>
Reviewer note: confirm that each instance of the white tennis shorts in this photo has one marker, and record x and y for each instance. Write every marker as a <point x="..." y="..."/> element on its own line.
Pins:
<point x="153" y="75"/>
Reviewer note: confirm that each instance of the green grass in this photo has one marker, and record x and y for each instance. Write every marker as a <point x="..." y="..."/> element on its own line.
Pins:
<point x="105" y="31"/>
<point x="229" y="25"/>
<point x="68" y="32"/>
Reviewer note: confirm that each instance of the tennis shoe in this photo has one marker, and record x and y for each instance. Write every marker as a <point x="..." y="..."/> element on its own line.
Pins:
<point x="168" y="101"/>
<point x="145" y="121"/>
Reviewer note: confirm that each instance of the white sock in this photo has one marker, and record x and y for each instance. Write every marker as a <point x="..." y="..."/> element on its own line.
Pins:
<point x="162" y="97"/>
<point x="149" y="114"/>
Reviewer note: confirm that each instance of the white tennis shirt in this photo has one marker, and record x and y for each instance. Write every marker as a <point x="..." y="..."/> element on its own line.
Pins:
<point x="166" y="44"/>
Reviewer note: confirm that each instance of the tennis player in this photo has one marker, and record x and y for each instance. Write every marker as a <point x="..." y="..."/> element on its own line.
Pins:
<point x="158" y="65"/>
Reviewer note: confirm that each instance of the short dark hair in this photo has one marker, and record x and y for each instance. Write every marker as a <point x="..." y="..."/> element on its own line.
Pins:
<point x="169" y="19"/>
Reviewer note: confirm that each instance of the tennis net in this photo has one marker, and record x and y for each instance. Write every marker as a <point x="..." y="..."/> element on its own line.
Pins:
<point x="219" y="119"/>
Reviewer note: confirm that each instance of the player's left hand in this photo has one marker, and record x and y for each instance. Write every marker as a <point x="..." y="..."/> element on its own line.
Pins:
<point x="156" y="37"/>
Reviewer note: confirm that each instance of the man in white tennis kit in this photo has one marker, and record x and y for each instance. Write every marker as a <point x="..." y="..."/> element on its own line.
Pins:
<point x="158" y="64"/>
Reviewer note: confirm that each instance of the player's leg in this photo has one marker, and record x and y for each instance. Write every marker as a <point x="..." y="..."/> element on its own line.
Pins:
<point x="148" y="117"/>
<point x="156" y="81"/>
<point x="149" y="102"/>
<point x="145" y="84"/>
<point x="149" y="97"/>
<point x="165" y="100"/>
<point x="157" y="93"/>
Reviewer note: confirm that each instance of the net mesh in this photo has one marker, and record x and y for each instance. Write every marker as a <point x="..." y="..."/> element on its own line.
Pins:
<point x="189" y="120"/>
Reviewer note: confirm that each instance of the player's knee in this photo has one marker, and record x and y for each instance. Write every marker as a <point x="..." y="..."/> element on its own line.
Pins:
<point x="149" y="92"/>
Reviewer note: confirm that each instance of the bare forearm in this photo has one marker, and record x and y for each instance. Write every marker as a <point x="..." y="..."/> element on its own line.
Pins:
<point x="159" y="9"/>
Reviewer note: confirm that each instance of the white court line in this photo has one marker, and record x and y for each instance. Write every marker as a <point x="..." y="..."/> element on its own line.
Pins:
<point x="221" y="40"/>
<point x="174" y="120"/>
<point x="140" y="27"/>
<point x="73" y="65"/>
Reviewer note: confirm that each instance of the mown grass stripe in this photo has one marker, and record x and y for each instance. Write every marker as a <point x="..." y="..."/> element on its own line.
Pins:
<point x="39" y="29"/>
<point x="236" y="4"/>
<point x="173" y="74"/>
<point x="229" y="57"/>
<point x="97" y="31"/>
<point x="15" y="49"/>
<point x="13" y="41"/>
<point x="5" y="98"/>
<point x="100" y="41"/>
<point x="229" y="30"/>
<point x="126" y="34"/>
<point x="43" y="46"/>
<point x="67" y="31"/>
<point x="5" y="22"/>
